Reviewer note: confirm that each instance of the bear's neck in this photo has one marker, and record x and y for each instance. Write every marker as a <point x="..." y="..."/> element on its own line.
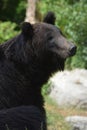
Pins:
<point x="35" y="73"/>
<point x="34" y="77"/>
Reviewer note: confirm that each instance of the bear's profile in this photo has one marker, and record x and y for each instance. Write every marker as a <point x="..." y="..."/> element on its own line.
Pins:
<point x="29" y="59"/>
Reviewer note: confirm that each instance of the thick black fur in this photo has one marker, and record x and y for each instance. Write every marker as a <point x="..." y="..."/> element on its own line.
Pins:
<point x="27" y="61"/>
<point x="22" y="118"/>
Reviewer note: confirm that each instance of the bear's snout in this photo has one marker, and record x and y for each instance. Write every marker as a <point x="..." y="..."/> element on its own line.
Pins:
<point x="72" y="50"/>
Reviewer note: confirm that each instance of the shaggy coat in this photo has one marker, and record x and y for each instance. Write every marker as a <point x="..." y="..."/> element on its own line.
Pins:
<point x="28" y="60"/>
<point x="22" y="118"/>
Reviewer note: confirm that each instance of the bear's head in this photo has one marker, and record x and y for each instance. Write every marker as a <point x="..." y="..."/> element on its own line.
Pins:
<point x="48" y="42"/>
<point x="42" y="41"/>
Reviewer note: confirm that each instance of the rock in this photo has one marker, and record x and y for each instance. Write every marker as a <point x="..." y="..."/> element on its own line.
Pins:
<point x="69" y="88"/>
<point x="77" y="122"/>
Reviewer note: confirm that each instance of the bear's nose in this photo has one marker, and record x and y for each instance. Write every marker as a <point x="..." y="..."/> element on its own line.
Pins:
<point x="73" y="50"/>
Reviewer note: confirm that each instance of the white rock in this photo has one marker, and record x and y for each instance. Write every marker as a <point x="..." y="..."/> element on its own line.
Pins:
<point x="77" y="122"/>
<point x="69" y="88"/>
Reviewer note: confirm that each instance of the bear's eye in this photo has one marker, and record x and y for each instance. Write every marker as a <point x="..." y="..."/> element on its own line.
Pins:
<point x="50" y="38"/>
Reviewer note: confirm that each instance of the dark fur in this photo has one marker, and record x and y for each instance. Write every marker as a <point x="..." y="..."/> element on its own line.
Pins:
<point x="20" y="118"/>
<point x="28" y="60"/>
<point x="50" y="18"/>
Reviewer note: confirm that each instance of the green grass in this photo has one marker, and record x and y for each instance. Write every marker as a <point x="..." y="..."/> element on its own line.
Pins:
<point x="55" y="121"/>
<point x="56" y="115"/>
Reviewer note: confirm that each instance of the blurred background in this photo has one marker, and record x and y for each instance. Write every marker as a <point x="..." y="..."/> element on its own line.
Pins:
<point x="71" y="18"/>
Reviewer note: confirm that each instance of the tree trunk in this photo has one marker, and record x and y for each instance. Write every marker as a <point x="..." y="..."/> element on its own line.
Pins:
<point x="31" y="11"/>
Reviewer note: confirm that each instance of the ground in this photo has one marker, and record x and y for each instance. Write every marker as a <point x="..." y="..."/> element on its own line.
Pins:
<point x="56" y="115"/>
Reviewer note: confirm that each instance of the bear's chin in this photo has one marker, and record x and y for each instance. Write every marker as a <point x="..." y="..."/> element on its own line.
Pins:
<point x="61" y="64"/>
<point x="58" y="63"/>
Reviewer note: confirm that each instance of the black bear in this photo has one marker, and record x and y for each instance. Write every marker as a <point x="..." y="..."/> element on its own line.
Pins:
<point x="22" y="118"/>
<point x="29" y="59"/>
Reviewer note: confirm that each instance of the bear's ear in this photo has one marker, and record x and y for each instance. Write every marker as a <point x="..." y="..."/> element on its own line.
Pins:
<point x="50" y="18"/>
<point x="27" y="30"/>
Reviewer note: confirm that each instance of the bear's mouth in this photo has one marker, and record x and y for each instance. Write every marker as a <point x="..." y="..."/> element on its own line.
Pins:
<point x="58" y="62"/>
<point x="61" y="54"/>
<point x="61" y="63"/>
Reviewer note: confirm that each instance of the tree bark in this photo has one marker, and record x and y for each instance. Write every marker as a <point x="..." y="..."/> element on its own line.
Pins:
<point x="31" y="11"/>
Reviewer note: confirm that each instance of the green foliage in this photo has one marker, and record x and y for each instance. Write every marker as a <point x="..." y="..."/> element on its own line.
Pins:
<point x="46" y="89"/>
<point x="7" y="31"/>
<point x="72" y="20"/>
<point x="12" y="10"/>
